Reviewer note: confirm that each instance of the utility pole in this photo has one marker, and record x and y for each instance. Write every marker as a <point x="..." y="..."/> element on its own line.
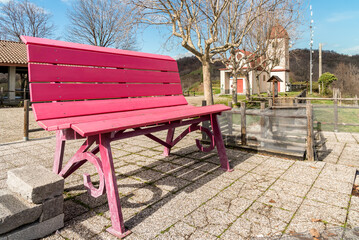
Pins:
<point x="311" y="50"/>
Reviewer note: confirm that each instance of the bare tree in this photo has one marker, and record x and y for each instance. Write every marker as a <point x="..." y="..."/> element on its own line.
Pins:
<point x="106" y="23"/>
<point x="24" y="18"/>
<point x="264" y="44"/>
<point x="197" y="25"/>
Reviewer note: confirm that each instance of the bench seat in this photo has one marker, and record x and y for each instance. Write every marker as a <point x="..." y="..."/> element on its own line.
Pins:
<point x="108" y="122"/>
<point x="104" y="95"/>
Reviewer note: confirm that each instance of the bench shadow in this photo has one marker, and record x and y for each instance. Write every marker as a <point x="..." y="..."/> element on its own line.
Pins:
<point x="151" y="205"/>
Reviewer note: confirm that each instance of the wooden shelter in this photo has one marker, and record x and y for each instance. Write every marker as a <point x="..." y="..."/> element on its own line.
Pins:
<point x="275" y="80"/>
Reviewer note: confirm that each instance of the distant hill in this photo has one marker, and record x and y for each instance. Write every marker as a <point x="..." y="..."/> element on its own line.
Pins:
<point x="299" y="63"/>
<point x="190" y="69"/>
<point x="345" y="67"/>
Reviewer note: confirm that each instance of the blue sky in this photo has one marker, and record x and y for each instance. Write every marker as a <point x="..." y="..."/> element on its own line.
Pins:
<point x="335" y="25"/>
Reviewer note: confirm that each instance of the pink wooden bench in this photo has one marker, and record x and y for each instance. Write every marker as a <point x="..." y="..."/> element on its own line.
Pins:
<point x="104" y="95"/>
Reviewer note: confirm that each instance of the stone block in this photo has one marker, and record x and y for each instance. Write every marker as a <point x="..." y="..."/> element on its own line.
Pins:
<point x="15" y="212"/>
<point x="52" y="207"/>
<point x="36" y="230"/>
<point x="35" y="183"/>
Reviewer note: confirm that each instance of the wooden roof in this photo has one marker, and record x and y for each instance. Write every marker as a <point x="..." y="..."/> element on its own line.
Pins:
<point x="12" y="53"/>
<point x="274" y="78"/>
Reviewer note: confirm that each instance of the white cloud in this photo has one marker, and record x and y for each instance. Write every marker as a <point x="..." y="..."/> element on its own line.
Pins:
<point x="352" y="50"/>
<point x="181" y="55"/>
<point x="343" y="16"/>
<point x="4" y="1"/>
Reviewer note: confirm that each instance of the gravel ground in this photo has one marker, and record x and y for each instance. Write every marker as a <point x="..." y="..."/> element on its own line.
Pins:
<point x="12" y="125"/>
<point x="12" y="122"/>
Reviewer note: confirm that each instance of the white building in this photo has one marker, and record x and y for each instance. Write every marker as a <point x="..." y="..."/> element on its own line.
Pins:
<point x="279" y="44"/>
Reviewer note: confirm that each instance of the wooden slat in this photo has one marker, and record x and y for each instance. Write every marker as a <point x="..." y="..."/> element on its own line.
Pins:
<point x="44" y="111"/>
<point x="62" y="44"/>
<point x="91" y="128"/>
<point x="56" y="73"/>
<point x="56" y="55"/>
<point x="63" y="123"/>
<point x="41" y="92"/>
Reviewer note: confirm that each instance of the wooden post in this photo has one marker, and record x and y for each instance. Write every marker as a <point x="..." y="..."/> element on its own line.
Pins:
<point x="243" y="123"/>
<point x="310" y="135"/>
<point x="335" y="115"/>
<point x="356" y="100"/>
<point x="262" y="122"/>
<point x="270" y="102"/>
<point x="296" y="101"/>
<point x="205" y="123"/>
<point x="26" y="120"/>
<point x="230" y="119"/>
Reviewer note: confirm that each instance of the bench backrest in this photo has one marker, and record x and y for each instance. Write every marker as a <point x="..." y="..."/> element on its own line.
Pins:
<point x="77" y="79"/>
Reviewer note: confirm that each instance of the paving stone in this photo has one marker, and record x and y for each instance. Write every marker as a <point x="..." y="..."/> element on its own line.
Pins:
<point x="268" y="171"/>
<point x="213" y="181"/>
<point x="149" y="223"/>
<point x="231" y="235"/>
<point x="334" y="185"/>
<point x="92" y="202"/>
<point x="52" y="208"/>
<point x="274" y="162"/>
<point x="291" y="188"/>
<point x="72" y="209"/>
<point x="354" y="203"/>
<point x="170" y="183"/>
<point x="180" y="230"/>
<point x="353" y="219"/>
<point x="209" y="220"/>
<point x="301" y="174"/>
<point x="15" y="211"/>
<point x="253" y="224"/>
<point x="234" y="206"/>
<point x="129" y="169"/>
<point x="281" y="200"/>
<point x="316" y="215"/>
<point x="183" y="161"/>
<point x="38" y="229"/>
<point x="258" y="180"/>
<point x="149" y="175"/>
<point x="148" y="194"/>
<point x="35" y="183"/>
<point x="338" y="173"/>
<point x="129" y="184"/>
<point x="204" y="166"/>
<point x="198" y="234"/>
<point x="245" y="166"/>
<point x="329" y="197"/>
<point x="241" y="189"/>
<point x="189" y="174"/>
<point x="167" y="167"/>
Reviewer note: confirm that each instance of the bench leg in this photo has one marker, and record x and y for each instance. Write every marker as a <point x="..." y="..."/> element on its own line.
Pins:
<point x="59" y="152"/>
<point x="219" y="144"/>
<point x="118" y="227"/>
<point x="169" y="140"/>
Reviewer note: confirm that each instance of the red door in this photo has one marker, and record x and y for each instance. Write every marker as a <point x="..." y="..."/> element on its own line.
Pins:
<point x="278" y="87"/>
<point x="239" y="85"/>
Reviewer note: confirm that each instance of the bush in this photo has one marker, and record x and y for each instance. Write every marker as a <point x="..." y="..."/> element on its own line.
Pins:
<point x="327" y="79"/>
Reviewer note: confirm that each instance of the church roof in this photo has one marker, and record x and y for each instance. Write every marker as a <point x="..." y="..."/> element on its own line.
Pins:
<point x="278" y="31"/>
<point x="12" y="53"/>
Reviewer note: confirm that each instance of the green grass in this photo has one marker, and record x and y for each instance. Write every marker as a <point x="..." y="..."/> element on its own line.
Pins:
<point x="345" y="115"/>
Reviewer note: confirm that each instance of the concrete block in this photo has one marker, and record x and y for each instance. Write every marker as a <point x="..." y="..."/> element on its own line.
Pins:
<point x="36" y="230"/>
<point x="35" y="183"/>
<point x="52" y="207"/>
<point x="15" y="212"/>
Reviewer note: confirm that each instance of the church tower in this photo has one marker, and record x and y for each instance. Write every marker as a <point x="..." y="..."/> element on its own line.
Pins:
<point x="278" y="50"/>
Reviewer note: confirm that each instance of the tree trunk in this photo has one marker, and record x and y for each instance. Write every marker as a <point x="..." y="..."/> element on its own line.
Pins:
<point x="234" y="89"/>
<point x="248" y="93"/>
<point x="258" y="85"/>
<point x="207" y="84"/>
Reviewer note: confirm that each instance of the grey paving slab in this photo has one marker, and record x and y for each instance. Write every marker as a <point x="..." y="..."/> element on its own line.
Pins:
<point x="186" y="195"/>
